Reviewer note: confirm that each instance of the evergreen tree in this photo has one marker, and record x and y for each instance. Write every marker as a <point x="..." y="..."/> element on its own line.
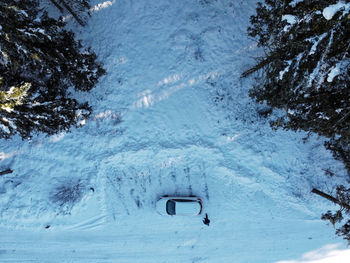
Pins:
<point x="306" y="68"/>
<point x="342" y="214"/>
<point x="39" y="62"/>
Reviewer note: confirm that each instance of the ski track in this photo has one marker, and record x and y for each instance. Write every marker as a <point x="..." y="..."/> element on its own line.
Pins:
<point x="172" y="116"/>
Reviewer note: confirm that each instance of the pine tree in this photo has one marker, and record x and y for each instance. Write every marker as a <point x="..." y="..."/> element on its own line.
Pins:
<point x="306" y="69"/>
<point x="343" y="199"/>
<point x="39" y="62"/>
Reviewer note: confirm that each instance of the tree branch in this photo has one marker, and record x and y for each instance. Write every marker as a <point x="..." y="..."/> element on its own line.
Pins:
<point x="259" y="66"/>
<point x="330" y="198"/>
<point x="7" y="171"/>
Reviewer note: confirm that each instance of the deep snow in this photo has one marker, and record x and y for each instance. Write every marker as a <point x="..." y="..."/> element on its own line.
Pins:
<point x="172" y="116"/>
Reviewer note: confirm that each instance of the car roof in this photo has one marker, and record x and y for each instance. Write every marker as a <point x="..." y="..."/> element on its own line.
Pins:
<point x="187" y="208"/>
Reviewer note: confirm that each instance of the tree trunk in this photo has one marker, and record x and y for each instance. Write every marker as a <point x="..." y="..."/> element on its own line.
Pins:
<point x="7" y="171"/>
<point x="70" y="10"/>
<point x="258" y="66"/>
<point x="57" y="5"/>
<point x="330" y="198"/>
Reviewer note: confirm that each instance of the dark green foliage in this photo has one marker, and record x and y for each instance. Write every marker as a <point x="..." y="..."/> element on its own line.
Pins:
<point x="299" y="58"/>
<point x="39" y="62"/>
<point x="343" y="196"/>
<point x="302" y="48"/>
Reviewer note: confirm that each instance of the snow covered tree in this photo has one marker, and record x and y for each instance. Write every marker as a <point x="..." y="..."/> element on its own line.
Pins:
<point x="79" y="9"/>
<point x="307" y="66"/>
<point x="306" y="71"/>
<point x="39" y="62"/>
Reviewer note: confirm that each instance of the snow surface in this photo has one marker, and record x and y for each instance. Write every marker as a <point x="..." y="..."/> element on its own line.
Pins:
<point x="172" y="116"/>
<point x="331" y="10"/>
<point x="291" y="20"/>
<point x="316" y="41"/>
<point x="295" y="2"/>
<point x="334" y="71"/>
<point x="282" y="72"/>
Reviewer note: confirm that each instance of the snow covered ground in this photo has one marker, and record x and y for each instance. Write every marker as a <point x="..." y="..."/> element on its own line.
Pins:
<point x="172" y="116"/>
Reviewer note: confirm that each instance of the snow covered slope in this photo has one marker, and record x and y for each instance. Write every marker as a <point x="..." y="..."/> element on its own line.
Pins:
<point x="172" y="116"/>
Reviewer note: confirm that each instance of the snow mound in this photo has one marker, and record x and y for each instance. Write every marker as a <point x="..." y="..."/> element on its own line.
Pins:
<point x="331" y="10"/>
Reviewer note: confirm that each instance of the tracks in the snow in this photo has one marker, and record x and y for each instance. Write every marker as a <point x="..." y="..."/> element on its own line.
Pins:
<point x="133" y="187"/>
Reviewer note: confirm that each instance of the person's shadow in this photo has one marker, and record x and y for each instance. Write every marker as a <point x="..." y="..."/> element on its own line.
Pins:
<point x="206" y="220"/>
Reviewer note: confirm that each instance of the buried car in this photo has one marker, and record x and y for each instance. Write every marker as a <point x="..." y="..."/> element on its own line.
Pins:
<point x="179" y="205"/>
